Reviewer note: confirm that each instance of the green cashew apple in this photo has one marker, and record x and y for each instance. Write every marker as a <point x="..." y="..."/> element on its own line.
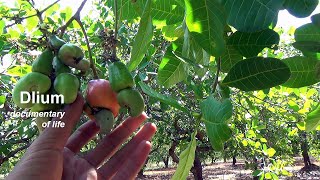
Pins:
<point x="43" y="64"/>
<point x="105" y="119"/>
<point x="72" y="55"/>
<point x="32" y="82"/>
<point x="119" y="76"/>
<point x="59" y="67"/>
<point x="56" y="42"/>
<point x="67" y="85"/>
<point x="40" y="121"/>
<point x="131" y="99"/>
<point x="83" y="65"/>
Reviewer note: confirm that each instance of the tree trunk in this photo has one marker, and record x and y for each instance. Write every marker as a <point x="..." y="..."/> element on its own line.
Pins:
<point x="197" y="168"/>
<point x="234" y="161"/>
<point x="304" y="149"/>
<point x="140" y="173"/>
<point x="255" y="161"/>
<point x="166" y="161"/>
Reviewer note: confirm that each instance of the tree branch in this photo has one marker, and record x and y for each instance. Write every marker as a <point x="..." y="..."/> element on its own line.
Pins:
<point x="174" y="156"/>
<point x="39" y="14"/>
<point x="13" y="153"/>
<point x="76" y="16"/>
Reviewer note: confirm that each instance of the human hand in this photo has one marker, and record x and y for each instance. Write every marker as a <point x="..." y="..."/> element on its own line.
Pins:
<point x="54" y="154"/>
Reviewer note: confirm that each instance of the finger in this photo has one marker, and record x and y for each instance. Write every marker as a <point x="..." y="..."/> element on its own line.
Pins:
<point x="82" y="136"/>
<point x="120" y="158"/>
<point x="56" y="137"/>
<point x="135" y="162"/>
<point x="110" y="144"/>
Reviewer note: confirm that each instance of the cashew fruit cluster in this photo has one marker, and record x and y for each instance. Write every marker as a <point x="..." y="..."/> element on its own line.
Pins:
<point x="51" y="75"/>
<point x="104" y="98"/>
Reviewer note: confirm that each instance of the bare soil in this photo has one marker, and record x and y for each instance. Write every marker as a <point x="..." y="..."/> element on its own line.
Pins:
<point x="225" y="171"/>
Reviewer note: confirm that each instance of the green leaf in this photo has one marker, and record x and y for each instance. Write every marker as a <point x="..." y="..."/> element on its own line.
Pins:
<point x="19" y="70"/>
<point x="316" y="19"/>
<point x="167" y="12"/>
<point x="307" y="46"/>
<point x="270" y="152"/>
<point x="2" y="25"/>
<point x="67" y="13"/>
<point x="308" y="33"/>
<point x="186" y="60"/>
<point x="163" y="12"/>
<point x="257" y="73"/>
<point x="268" y="176"/>
<point x="127" y="9"/>
<point x="229" y="58"/>
<point x="251" y="44"/>
<point x="304" y="71"/>
<point x="206" y="20"/>
<point x="215" y="115"/>
<point x="252" y="15"/>
<point x="257" y="173"/>
<point x="32" y="23"/>
<point x="313" y="120"/>
<point x="2" y="100"/>
<point x="171" y="70"/>
<point x="200" y="56"/>
<point x="186" y="159"/>
<point x="172" y="32"/>
<point x="143" y="38"/>
<point x="162" y="98"/>
<point x="301" y="8"/>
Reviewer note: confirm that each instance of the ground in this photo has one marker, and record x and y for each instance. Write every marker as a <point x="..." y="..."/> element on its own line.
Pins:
<point x="224" y="171"/>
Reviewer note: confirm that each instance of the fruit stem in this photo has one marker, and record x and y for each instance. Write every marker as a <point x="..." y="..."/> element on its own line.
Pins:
<point x="214" y="87"/>
<point x="92" y="64"/>
<point x="114" y="52"/>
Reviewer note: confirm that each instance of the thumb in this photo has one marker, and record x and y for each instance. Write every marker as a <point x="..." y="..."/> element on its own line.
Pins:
<point x="56" y="137"/>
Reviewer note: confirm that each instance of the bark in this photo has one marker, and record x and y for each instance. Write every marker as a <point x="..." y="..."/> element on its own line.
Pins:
<point x="255" y="161"/>
<point x="174" y="156"/>
<point x="234" y="160"/>
<point x="140" y="173"/>
<point x="304" y="149"/>
<point x="197" y="168"/>
<point x="166" y="161"/>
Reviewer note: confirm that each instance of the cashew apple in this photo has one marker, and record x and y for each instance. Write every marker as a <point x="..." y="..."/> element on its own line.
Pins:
<point x="32" y="82"/>
<point x="100" y="95"/>
<point x="105" y="119"/>
<point x="119" y="76"/>
<point x="59" y="67"/>
<point x="132" y="100"/>
<point x="43" y="64"/>
<point x="67" y="85"/>
<point x="56" y="42"/>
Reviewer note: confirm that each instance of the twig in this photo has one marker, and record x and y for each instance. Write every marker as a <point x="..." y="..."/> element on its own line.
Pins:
<point x="20" y="19"/>
<point x="76" y="16"/>
<point x="92" y="66"/>
<point x="13" y="153"/>
<point x="216" y="80"/>
<point x="114" y="52"/>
